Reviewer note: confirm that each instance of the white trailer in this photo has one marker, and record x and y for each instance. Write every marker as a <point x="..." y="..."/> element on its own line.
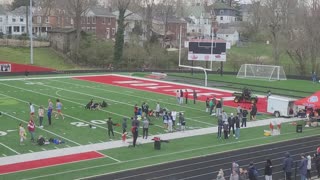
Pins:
<point x="281" y="106"/>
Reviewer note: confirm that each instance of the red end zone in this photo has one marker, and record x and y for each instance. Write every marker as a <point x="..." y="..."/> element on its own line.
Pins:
<point x="10" y="168"/>
<point x="168" y="88"/>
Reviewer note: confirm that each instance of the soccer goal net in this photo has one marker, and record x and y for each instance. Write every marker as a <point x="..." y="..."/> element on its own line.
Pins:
<point x="267" y="72"/>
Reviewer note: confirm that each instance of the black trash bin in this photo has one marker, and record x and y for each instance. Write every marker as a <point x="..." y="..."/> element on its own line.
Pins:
<point x="157" y="143"/>
<point x="299" y="128"/>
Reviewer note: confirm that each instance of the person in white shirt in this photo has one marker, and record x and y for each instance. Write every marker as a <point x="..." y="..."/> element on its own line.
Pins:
<point x="31" y="110"/>
<point x="41" y="115"/>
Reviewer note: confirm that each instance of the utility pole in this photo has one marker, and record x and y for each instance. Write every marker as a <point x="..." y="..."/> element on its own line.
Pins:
<point x="31" y="35"/>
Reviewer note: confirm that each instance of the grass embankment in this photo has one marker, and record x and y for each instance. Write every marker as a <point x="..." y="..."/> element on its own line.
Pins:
<point x="44" y="57"/>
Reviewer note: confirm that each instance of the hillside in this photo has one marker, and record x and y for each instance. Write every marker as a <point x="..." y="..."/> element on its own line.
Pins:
<point x="44" y="57"/>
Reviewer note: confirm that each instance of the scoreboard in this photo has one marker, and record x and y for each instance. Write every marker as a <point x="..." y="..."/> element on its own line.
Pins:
<point x="207" y="50"/>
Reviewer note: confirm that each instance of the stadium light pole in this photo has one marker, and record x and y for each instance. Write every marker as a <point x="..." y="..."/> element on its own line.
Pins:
<point x="31" y="35"/>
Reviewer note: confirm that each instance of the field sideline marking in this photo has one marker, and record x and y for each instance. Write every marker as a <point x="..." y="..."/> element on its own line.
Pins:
<point x="42" y="129"/>
<point x="55" y="97"/>
<point x="60" y="98"/>
<point x="132" y="105"/>
<point x="169" y="161"/>
<point x="9" y="148"/>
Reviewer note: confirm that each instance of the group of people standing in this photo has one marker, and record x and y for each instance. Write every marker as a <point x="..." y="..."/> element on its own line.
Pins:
<point x="41" y="113"/>
<point x="180" y="94"/>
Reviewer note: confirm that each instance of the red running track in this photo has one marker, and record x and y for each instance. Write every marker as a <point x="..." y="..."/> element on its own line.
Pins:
<point x="10" y="168"/>
<point x="168" y="88"/>
<point x="25" y="67"/>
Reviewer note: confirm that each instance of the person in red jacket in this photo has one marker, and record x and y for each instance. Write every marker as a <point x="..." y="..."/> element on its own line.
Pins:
<point x="31" y="128"/>
<point x="186" y="94"/>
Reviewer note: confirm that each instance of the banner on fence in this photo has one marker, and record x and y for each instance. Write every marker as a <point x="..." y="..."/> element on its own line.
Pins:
<point x="5" y="67"/>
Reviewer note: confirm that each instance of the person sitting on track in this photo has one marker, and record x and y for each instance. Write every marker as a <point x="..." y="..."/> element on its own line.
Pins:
<point x="95" y="106"/>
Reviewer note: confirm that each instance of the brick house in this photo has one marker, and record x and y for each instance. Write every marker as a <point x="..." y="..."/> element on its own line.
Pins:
<point x="173" y="30"/>
<point x="44" y="20"/>
<point x="100" y="22"/>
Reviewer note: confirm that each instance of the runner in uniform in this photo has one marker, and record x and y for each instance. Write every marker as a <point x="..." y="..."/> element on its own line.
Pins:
<point x="58" y="108"/>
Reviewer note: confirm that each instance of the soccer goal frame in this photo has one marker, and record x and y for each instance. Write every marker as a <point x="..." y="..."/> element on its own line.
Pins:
<point x="263" y="72"/>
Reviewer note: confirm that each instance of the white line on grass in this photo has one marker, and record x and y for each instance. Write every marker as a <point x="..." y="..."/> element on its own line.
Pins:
<point x="63" y="114"/>
<point x="43" y="129"/>
<point x="31" y="151"/>
<point x="126" y="95"/>
<point x="4" y="155"/>
<point x="65" y="100"/>
<point x="10" y="148"/>
<point x="160" y="155"/>
<point x="44" y="149"/>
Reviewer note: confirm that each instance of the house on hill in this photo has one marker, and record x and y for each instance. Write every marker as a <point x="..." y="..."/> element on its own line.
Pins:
<point x="224" y="13"/>
<point x="230" y="35"/>
<point x="172" y="32"/>
<point x="198" y="21"/>
<point x="135" y="25"/>
<point x="99" y="21"/>
<point x="13" y="22"/>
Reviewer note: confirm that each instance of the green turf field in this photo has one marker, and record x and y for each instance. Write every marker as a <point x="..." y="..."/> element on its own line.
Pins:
<point x="74" y="129"/>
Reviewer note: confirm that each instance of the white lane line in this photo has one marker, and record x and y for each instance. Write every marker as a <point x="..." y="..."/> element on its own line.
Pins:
<point x="10" y="148"/>
<point x="43" y="129"/>
<point x="161" y="155"/>
<point x="44" y="149"/>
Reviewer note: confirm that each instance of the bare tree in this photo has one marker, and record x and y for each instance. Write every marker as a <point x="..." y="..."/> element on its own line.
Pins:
<point x="273" y="22"/>
<point x="118" y="47"/>
<point x="256" y="11"/>
<point x="149" y="5"/>
<point x="312" y="25"/>
<point x="77" y="9"/>
<point x="166" y="10"/>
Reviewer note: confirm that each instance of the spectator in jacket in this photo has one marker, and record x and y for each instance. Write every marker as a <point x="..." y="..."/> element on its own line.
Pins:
<point x="287" y="166"/>
<point x="225" y="129"/>
<point x="110" y="125"/>
<point x="253" y="172"/>
<point x="243" y="174"/>
<point x="317" y="163"/>
<point x="145" y="126"/>
<point x="31" y="128"/>
<point x="237" y="123"/>
<point x="220" y="175"/>
<point x="124" y="125"/>
<point x="218" y="108"/>
<point x="244" y="118"/>
<point x="220" y="126"/>
<point x="234" y="176"/>
<point x="303" y="167"/>
<point x="231" y="122"/>
<point x="309" y="167"/>
<point x="268" y="170"/>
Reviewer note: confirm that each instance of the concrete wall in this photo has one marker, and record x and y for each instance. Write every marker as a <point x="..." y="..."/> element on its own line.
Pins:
<point x="23" y="43"/>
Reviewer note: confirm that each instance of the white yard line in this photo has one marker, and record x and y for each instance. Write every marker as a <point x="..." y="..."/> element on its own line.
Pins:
<point x="4" y="155"/>
<point x="43" y="129"/>
<point x="63" y="114"/>
<point x="9" y="148"/>
<point x="31" y="151"/>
